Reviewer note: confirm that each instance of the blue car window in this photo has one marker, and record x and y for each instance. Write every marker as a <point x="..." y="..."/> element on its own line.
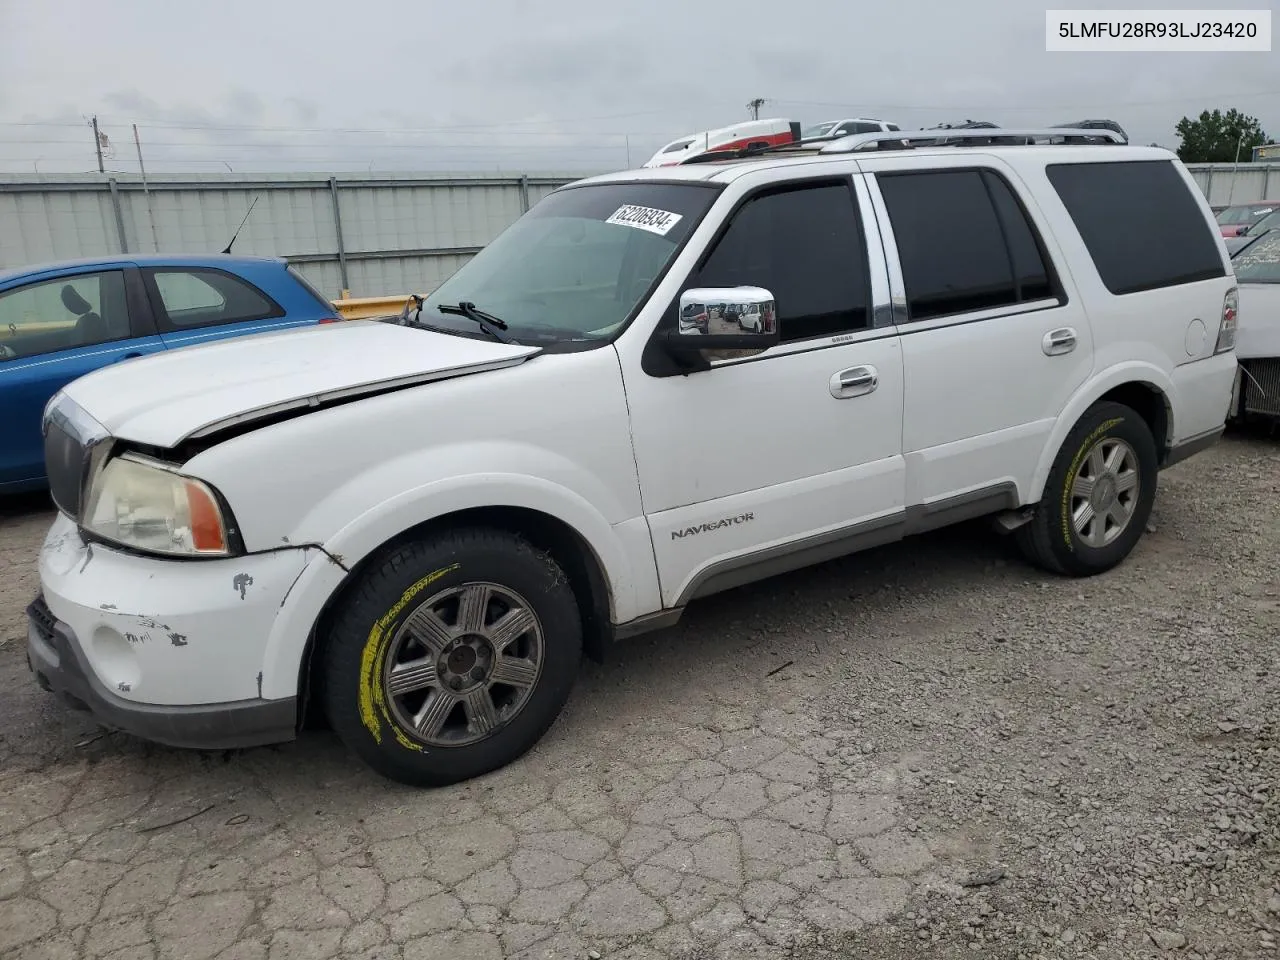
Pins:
<point x="62" y="314"/>
<point x="201" y="298"/>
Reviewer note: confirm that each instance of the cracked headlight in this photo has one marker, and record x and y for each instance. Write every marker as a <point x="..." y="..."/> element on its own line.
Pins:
<point x="146" y="505"/>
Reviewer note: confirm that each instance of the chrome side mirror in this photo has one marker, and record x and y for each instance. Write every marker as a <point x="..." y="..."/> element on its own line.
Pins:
<point x="739" y="320"/>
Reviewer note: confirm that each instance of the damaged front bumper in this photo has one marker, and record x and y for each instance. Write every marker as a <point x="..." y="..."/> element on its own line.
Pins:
<point x="171" y="651"/>
<point x="56" y="658"/>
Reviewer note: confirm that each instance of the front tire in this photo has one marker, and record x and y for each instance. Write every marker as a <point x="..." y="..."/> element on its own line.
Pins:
<point x="452" y="656"/>
<point x="1098" y="496"/>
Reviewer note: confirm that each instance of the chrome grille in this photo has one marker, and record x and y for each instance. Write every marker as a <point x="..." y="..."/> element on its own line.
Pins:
<point x="1261" y="387"/>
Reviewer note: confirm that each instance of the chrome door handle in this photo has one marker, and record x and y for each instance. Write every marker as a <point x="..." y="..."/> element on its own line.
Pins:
<point x="854" y="382"/>
<point x="1055" y="342"/>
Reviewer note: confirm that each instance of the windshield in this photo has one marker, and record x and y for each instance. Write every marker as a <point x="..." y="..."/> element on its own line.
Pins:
<point x="1269" y="222"/>
<point x="1237" y="215"/>
<point x="1259" y="262"/>
<point x="818" y="129"/>
<point x="574" y="268"/>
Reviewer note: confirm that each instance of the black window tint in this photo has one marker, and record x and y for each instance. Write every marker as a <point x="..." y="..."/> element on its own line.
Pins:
<point x="1109" y="201"/>
<point x="200" y="298"/>
<point x="79" y="310"/>
<point x="805" y="246"/>
<point x="950" y="242"/>
<point x="1033" y="280"/>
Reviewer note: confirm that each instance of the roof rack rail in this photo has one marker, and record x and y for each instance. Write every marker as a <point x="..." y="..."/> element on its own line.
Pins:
<point x="901" y="139"/>
<point x="933" y="137"/>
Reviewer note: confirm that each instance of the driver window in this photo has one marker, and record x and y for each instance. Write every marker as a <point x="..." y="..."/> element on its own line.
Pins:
<point x="804" y="245"/>
<point x="62" y="314"/>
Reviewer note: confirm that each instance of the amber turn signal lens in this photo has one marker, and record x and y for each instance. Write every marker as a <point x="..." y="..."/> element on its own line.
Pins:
<point x="207" y="533"/>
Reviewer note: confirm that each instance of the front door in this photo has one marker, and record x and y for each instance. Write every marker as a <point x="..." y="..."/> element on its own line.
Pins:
<point x="53" y="331"/>
<point x="788" y="456"/>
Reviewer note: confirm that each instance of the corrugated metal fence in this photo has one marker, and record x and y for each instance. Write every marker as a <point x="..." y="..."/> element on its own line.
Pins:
<point x="1227" y="183"/>
<point x="370" y="235"/>
<point x="373" y="235"/>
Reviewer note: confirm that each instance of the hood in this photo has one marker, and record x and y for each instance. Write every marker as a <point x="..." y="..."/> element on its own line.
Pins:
<point x="166" y="398"/>
<point x="1258" y="333"/>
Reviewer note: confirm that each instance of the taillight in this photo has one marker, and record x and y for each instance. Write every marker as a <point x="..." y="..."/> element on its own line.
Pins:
<point x="1227" y="326"/>
<point x="330" y="319"/>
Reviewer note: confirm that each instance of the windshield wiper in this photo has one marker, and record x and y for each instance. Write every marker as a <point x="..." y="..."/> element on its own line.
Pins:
<point x="487" y="321"/>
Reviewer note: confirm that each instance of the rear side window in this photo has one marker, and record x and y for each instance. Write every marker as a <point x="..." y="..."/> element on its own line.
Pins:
<point x="198" y="297"/>
<point x="1110" y="201"/>
<point x="964" y="241"/>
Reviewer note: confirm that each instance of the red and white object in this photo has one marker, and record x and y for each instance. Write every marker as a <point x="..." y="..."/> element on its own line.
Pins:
<point x="736" y="137"/>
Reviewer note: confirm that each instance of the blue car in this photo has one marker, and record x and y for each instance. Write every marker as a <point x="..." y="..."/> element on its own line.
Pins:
<point x="62" y="321"/>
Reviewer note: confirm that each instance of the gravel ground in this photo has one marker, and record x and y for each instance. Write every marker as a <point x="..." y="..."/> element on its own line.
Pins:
<point x="929" y="750"/>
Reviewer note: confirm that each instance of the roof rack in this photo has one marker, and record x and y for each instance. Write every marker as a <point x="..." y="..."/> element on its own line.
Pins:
<point x="911" y="139"/>
<point x="902" y="139"/>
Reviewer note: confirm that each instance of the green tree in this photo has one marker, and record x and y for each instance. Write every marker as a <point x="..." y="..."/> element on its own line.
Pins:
<point x="1214" y="137"/>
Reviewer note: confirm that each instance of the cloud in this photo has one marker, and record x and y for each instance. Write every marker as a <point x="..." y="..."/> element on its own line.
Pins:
<point x="513" y="85"/>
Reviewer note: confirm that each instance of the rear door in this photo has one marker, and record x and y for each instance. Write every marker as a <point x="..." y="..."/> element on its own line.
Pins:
<point x="198" y="304"/>
<point x="993" y="347"/>
<point x="52" y="331"/>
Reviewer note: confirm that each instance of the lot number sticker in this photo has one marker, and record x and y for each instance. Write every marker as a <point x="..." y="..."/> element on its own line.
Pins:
<point x="645" y="218"/>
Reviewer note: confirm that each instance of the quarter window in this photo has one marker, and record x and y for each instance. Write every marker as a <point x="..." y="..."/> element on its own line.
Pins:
<point x="804" y="245"/>
<point x="1111" y="203"/>
<point x="201" y="298"/>
<point x="964" y="242"/>
<point x="76" y="311"/>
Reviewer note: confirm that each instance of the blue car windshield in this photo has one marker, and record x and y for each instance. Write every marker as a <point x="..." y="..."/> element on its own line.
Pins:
<point x="574" y="269"/>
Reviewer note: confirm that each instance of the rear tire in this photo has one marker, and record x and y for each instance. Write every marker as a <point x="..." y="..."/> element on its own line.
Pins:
<point x="1098" y="496"/>
<point x="451" y="657"/>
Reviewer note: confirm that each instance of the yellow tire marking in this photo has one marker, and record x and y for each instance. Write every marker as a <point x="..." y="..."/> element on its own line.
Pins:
<point x="372" y="701"/>
<point x="1071" y="476"/>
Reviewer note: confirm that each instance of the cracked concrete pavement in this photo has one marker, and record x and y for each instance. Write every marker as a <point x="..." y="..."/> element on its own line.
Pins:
<point x="927" y="750"/>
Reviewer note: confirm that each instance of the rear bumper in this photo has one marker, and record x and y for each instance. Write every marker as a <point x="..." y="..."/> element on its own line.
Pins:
<point x="55" y="656"/>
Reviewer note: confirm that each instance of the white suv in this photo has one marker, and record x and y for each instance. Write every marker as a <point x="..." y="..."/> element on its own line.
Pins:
<point x="423" y="527"/>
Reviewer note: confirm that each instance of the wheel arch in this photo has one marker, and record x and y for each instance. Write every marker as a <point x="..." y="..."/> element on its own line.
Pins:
<point x="1144" y="387"/>
<point x="566" y="545"/>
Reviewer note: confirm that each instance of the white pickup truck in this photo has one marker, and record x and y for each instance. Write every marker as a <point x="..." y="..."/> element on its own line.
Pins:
<point x="424" y="526"/>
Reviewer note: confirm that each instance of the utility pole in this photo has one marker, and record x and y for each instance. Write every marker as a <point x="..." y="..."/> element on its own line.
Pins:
<point x="155" y="241"/>
<point x="1235" y="167"/>
<point x="97" y="144"/>
<point x="754" y="106"/>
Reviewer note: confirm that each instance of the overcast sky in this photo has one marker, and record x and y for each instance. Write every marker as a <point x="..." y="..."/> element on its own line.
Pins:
<point x="382" y="85"/>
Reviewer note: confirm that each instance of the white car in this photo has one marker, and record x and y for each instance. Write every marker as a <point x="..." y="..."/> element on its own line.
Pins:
<point x="843" y="128"/>
<point x="424" y="527"/>
<point x="1257" y="270"/>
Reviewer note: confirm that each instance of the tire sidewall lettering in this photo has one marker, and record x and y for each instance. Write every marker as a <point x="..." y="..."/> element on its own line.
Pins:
<point x="372" y="703"/>
<point x="1085" y="448"/>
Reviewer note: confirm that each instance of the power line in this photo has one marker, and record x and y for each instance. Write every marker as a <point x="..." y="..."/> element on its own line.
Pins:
<point x="507" y="124"/>
<point x="206" y="125"/>
<point x="620" y="138"/>
<point x="1039" y="108"/>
